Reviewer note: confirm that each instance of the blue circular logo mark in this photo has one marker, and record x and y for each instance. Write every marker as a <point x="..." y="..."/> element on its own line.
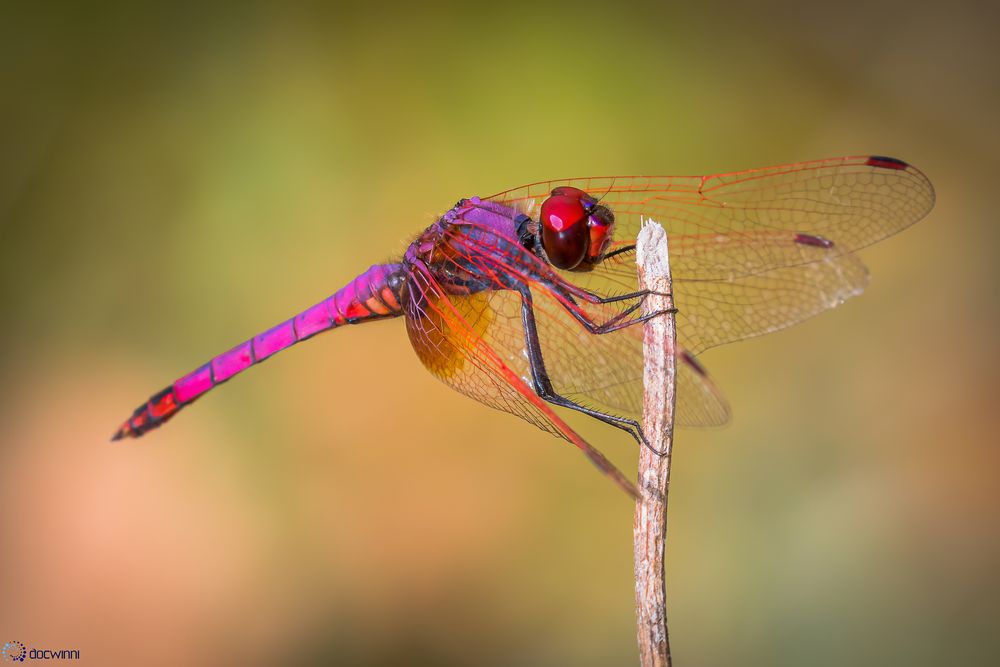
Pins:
<point x="14" y="652"/>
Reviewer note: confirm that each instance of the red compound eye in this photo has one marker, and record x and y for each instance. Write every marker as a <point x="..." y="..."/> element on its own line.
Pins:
<point x="602" y="224"/>
<point x="565" y="234"/>
<point x="562" y="211"/>
<point x="568" y="242"/>
<point x="576" y="193"/>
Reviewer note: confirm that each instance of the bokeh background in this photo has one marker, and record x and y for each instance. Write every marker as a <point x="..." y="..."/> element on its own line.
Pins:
<point x="175" y="179"/>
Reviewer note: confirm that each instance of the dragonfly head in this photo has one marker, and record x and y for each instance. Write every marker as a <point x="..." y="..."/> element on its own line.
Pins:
<point x="576" y="229"/>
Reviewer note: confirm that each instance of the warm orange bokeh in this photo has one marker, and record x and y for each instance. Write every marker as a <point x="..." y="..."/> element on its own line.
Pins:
<point x="172" y="182"/>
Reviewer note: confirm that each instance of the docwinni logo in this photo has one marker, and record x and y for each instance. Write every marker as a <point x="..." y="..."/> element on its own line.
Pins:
<point x="17" y="652"/>
<point x="14" y="652"/>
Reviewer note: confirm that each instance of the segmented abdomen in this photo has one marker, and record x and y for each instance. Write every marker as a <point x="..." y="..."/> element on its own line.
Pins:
<point x="375" y="294"/>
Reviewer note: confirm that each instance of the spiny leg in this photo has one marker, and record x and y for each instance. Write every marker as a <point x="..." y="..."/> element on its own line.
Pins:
<point x="593" y="297"/>
<point x="619" y="251"/>
<point x="619" y="321"/>
<point x="568" y="291"/>
<point x="543" y="385"/>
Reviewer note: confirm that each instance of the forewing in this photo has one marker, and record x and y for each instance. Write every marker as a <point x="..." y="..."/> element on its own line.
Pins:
<point x="754" y="251"/>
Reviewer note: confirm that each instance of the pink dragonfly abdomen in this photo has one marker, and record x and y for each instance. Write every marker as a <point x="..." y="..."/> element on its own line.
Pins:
<point x="372" y="295"/>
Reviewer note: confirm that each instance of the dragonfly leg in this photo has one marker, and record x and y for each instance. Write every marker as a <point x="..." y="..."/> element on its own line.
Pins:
<point x="543" y="385"/>
<point x="593" y="297"/>
<point x="619" y="321"/>
<point x="619" y="251"/>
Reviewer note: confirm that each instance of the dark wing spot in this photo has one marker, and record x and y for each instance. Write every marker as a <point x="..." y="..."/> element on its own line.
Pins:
<point x="810" y="239"/>
<point x="694" y="363"/>
<point x="885" y="162"/>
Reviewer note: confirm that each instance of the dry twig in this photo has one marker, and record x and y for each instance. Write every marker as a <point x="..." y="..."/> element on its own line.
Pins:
<point x="659" y="382"/>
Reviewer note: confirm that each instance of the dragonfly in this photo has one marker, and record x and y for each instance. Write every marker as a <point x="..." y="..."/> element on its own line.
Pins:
<point x="528" y="300"/>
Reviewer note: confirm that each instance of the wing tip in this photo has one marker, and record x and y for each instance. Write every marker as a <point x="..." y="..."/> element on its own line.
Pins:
<point x="886" y="162"/>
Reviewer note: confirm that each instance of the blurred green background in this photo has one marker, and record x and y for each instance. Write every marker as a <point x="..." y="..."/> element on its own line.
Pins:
<point x="174" y="180"/>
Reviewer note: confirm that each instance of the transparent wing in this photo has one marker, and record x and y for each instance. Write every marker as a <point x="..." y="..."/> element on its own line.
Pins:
<point x="752" y="251"/>
<point x="605" y="371"/>
<point x="449" y="335"/>
<point x="716" y="312"/>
